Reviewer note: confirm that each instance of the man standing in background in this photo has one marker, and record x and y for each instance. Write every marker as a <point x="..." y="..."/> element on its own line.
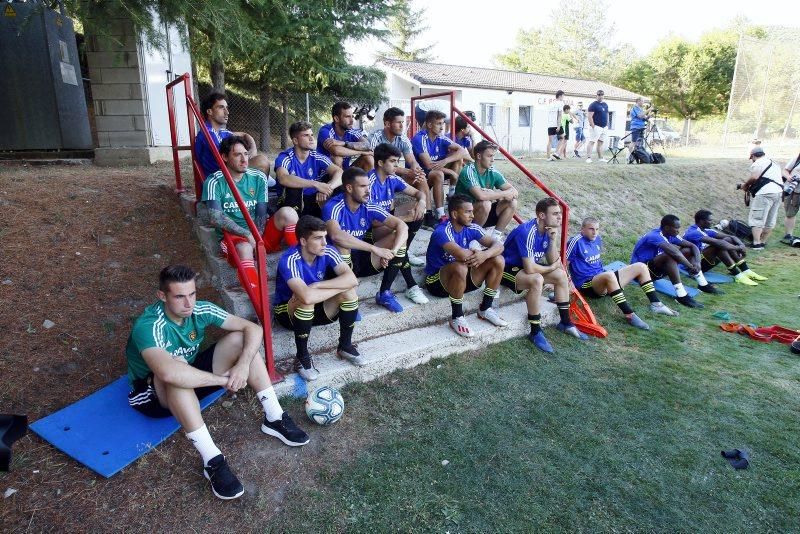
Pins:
<point x="598" y="126"/>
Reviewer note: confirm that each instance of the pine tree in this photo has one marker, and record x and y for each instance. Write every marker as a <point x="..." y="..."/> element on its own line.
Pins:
<point x="403" y="28"/>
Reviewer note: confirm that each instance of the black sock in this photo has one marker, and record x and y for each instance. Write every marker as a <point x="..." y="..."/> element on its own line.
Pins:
<point x="390" y="273"/>
<point x="742" y="264"/>
<point x="347" y="320"/>
<point x="488" y="298"/>
<point x="622" y="303"/>
<point x="413" y="228"/>
<point x="563" y="312"/>
<point x="302" y="328"/>
<point x="535" y="322"/>
<point x="457" y="306"/>
<point x="408" y="276"/>
<point x="650" y="291"/>
<point x="734" y="270"/>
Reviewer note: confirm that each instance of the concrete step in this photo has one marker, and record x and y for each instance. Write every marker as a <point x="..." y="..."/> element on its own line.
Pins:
<point x="408" y="348"/>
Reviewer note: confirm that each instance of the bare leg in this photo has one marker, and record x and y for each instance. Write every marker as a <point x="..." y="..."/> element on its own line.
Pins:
<point x="505" y="212"/>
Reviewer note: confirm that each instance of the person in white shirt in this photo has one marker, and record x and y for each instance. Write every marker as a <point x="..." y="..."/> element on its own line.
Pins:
<point x="766" y="199"/>
<point x="554" y="110"/>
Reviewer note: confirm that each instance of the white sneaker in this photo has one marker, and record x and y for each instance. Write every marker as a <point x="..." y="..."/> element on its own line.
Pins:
<point x="603" y="160"/>
<point x="661" y="308"/>
<point x="491" y="316"/>
<point x="415" y="261"/>
<point x="588" y="160"/>
<point x="461" y="327"/>
<point x="415" y="295"/>
<point x="497" y="235"/>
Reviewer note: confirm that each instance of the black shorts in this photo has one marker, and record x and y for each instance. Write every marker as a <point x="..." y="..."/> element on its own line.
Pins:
<point x="655" y="272"/>
<point x="587" y="289"/>
<point x="281" y="314"/>
<point x="552" y="130"/>
<point x="491" y="219"/>
<point x="433" y="283"/>
<point x="302" y="204"/>
<point x="509" y="279"/>
<point x="362" y="263"/>
<point x="707" y="264"/>
<point x="143" y="398"/>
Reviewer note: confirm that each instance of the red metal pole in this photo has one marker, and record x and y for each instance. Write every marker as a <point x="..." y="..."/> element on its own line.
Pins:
<point x="269" y="356"/>
<point x="176" y="162"/>
<point x="198" y="174"/>
<point x="453" y="116"/>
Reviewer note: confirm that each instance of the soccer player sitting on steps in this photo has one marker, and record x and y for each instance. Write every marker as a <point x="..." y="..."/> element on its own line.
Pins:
<point x="457" y="263"/>
<point x="493" y="198"/>
<point x="532" y="260"/>
<point x="716" y="246"/>
<point x="586" y="270"/>
<point x="383" y="184"/>
<point x="662" y="251"/>
<point x="307" y="178"/>
<point x="168" y="373"/>
<point x="225" y="215"/>
<point x="348" y="217"/>
<point x="344" y="145"/>
<point x="314" y="286"/>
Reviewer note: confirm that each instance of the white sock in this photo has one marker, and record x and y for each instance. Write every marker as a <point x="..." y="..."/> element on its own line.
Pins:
<point x="680" y="291"/>
<point x="269" y="401"/>
<point x="202" y="441"/>
<point x="451" y="191"/>
<point x="701" y="279"/>
<point x="440" y="212"/>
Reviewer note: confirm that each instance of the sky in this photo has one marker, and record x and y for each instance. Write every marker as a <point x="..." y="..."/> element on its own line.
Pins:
<point x="642" y="24"/>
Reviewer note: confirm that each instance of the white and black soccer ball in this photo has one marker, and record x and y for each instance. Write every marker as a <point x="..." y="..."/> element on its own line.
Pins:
<point x="325" y="405"/>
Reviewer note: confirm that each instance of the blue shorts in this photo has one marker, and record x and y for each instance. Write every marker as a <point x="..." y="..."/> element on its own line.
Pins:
<point x="579" y="135"/>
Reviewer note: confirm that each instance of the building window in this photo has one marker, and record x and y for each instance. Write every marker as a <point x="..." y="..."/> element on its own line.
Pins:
<point x="610" y="120"/>
<point x="524" y="116"/>
<point x="488" y="115"/>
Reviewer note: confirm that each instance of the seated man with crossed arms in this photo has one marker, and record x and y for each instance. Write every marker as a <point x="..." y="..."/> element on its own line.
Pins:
<point x="344" y="145"/>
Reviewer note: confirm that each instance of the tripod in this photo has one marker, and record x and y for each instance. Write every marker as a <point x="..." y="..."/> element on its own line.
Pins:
<point x="650" y="134"/>
<point x="614" y="147"/>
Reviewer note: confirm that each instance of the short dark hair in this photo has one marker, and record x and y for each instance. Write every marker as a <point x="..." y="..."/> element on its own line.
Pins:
<point x="175" y="273"/>
<point x="543" y="205"/>
<point x="702" y="215"/>
<point x="566" y="107"/>
<point x="209" y="101"/>
<point x="483" y="146"/>
<point x="228" y="143"/>
<point x="392" y="113"/>
<point x="350" y="174"/>
<point x="298" y="127"/>
<point x="340" y="106"/>
<point x="669" y="220"/>
<point x="461" y="123"/>
<point x="385" y="151"/>
<point x="434" y="115"/>
<point x="559" y="93"/>
<point x="307" y="225"/>
<point x="456" y="201"/>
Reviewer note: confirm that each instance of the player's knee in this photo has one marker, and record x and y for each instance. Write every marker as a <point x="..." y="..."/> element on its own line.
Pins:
<point x="435" y="177"/>
<point x="535" y="282"/>
<point x="482" y="206"/>
<point x="285" y="216"/>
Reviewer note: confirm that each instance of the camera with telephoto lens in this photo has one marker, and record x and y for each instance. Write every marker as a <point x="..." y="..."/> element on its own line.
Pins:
<point x="791" y="185"/>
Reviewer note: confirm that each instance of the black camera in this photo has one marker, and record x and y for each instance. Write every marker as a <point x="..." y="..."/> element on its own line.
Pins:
<point x="739" y="186"/>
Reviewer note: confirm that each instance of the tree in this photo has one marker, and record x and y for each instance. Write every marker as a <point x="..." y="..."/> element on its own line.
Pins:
<point x="566" y="47"/>
<point x="402" y="30"/>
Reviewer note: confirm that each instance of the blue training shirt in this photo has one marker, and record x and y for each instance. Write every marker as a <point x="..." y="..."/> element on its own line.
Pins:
<point x="437" y="257"/>
<point x="292" y="265"/>
<point x="600" y="110"/>
<point x="648" y="248"/>
<point x="202" y="150"/>
<point x="524" y="241"/>
<point x="584" y="259"/>
<point x="637" y="118"/>
<point x="435" y="147"/>
<point x="356" y="223"/>
<point x="329" y="132"/>
<point x="315" y="167"/>
<point x="382" y="194"/>
<point x="465" y="141"/>
<point x="694" y="234"/>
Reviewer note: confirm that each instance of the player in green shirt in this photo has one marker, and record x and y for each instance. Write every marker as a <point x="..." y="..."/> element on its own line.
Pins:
<point x="168" y="373"/>
<point x="225" y="215"/>
<point x="493" y="198"/>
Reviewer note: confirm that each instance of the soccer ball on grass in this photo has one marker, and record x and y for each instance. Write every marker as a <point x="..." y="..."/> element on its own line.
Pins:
<point x="324" y="405"/>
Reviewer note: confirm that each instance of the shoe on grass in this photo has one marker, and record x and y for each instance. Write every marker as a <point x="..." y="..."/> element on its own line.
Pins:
<point x="415" y="261"/>
<point x="415" y="295"/>
<point x="285" y="430"/>
<point x="636" y="322"/>
<point x="461" y="327"/>
<point x="787" y="239"/>
<point x="757" y="246"/>
<point x="351" y="355"/>
<point x="306" y="369"/>
<point x="743" y="279"/>
<point x="540" y="342"/>
<point x="571" y="330"/>
<point x="663" y="309"/>
<point x="689" y="302"/>
<point x="711" y="289"/>
<point x="491" y="315"/>
<point x="752" y="275"/>
<point x="603" y="160"/>
<point x="388" y="301"/>
<point x="588" y="160"/>
<point x="224" y="483"/>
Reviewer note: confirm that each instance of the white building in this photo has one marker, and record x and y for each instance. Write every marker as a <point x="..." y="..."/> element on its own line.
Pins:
<point x="510" y="106"/>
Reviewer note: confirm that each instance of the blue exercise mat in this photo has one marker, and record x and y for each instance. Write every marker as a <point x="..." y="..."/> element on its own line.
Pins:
<point x="711" y="276"/>
<point x="662" y="285"/>
<point x="104" y="433"/>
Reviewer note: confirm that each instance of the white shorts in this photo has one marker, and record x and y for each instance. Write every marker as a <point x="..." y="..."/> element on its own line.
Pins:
<point x="597" y="133"/>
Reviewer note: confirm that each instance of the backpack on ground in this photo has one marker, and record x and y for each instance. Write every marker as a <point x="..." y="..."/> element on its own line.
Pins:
<point x="739" y="229"/>
<point x="640" y="155"/>
<point x="657" y="157"/>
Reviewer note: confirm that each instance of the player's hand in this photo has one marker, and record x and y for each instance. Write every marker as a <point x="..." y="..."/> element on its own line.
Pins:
<point x="237" y="378"/>
<point x="383" y="254"/>
<point x="322" y="198"/>
<point x="693" y="269"/>
<point x="419" y="211"/>
<point x="476" y="259"/>
<point x="323" y="188"/>
<point x="437" y="165"/>
<point x="551" y="232"/>
<point x="419" y="174"/>
<point x="251" y="240"/>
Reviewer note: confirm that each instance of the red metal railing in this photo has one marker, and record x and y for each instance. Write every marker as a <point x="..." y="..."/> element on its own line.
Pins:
<point x="260" y="296"/>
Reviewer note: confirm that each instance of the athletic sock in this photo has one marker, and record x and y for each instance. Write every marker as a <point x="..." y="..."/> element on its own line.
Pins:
<point x="250" y="273"/>
<point x="347" y="321"/>
<point x="302" y="322"/>
<point x="734" y="270"/>
<point x="202" y="441"/>
<point x="535" y="321"/>
<point x="348" y="259"/>
<point x="289" y="235"/>
<point x="488" y="298"/>
<point x="622" y="303"/>
<point x="272" y="236"/>
<point x="269" y="401"/>
<point x="413" y="228"/>
<point x="457" y="307"/>
<point x="742" y="265"/>
<point x="680" y="291"/>
<point x="408" y="276"/>
<point x="390" y="273"/>
<point x="650" y="291"/>
<point x="701" y="279"/>
<point x="439" y="213"/>
<point x="563" y="312"/>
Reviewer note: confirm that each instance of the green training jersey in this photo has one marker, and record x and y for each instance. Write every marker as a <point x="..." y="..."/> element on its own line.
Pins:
<point x="470" y="177"/>
<point x="154" y="329"/>
<point x="252" y="186"/>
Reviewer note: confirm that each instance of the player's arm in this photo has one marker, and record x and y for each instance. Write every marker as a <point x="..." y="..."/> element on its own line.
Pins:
<point x="345" y="148"/>
<point x="322" y="291"/>
<point x="345" y="240"/>
<point x="335" y="172"/>
<point x="455" y="152"/>
<point x="252" y="151"/>
<point x="295" y="182"/>
<point x="253" y="336"/>
<point x="400" y="232"/>
<point x="675" y="253"/>
<point x="495" y="247"/>
<point x="531" y="267"/>
<point x="419" y="209"/>
<point x="345" y="279"/>
<point x="220" y="220"/>
<point x="552" y="256"/>
<point x="415" y="170"/>
<point x="261" y="216"/>
<point x="590" y="118"/>
<point x="178" y="373"/>
<point x="719" y="243"/>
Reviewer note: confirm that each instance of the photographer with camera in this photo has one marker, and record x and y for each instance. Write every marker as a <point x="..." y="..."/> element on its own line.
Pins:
<point x="639" y="118"/>
<point x="764" y="187"/>
<point x="791" y="199"/>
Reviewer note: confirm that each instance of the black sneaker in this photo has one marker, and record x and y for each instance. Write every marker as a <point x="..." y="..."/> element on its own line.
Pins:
<point x="689" y="302"/>
<point x="787" y="239"/>
<point x="759" y="246"/>
<point x="285" y="430"/>
<point x="429" y="221"/>
<point x="224" y="484"/>
<point x="711" y="289"/>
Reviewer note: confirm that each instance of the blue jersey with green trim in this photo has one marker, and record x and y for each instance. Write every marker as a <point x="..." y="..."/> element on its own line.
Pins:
<point x="437" y="257"/>
<point x="584" y="258"/>
<point x="382" y="193"/>
<point x="292" y="265"/>
<point x="356" y="223"/>
<point x="525" y="241"/>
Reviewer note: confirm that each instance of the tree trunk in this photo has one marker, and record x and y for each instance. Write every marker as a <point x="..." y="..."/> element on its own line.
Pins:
<point x="265" y="95"/>
<point x="285" y="125"/>
<point x="217" y="68"/>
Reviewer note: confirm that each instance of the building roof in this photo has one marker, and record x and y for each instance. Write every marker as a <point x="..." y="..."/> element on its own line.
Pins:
<point x="506" y="80"/>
